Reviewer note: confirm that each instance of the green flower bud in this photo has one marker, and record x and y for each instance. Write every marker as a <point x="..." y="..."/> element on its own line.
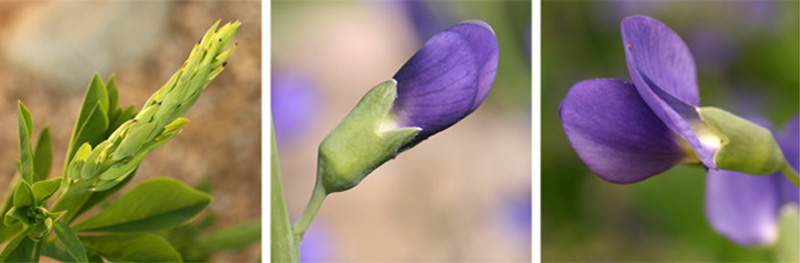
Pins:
<point x="745" y="146"/>
<point x="137" y="136"/>
<point x="94" y="162"/>
<point x="362" y="141"/>
<point x="41" y="230"/>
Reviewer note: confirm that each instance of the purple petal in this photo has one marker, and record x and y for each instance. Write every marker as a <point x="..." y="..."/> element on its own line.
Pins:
<point x="790" y="144"/>
<point x="663" y="70"/>
<point x="615" y="133"/>
<point x="743" y="207"/>
<point x="446" y="79"/>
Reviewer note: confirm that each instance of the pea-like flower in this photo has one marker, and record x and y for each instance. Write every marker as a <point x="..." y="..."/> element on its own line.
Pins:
<point x="746" y="208"/>
<point x="626" y="132"/>
<point x="447" y="79"/>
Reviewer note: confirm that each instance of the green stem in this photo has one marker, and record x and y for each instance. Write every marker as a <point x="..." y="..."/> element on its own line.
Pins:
<point x="790" y="174"/>
<point x="311" y="210"/>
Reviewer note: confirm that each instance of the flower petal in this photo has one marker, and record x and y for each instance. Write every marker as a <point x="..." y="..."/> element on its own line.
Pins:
<point x="790" y="144"/>
<point x="743" y="207"/>
<point x="446" y="79"/>
<point x="663" y="70"/>
<point x="483" y="41"/>
<point x="615" y="133"/>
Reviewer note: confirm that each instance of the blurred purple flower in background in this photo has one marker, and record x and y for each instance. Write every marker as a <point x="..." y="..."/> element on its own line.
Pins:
<point x="317" y="245"/>
<point x="626" y="132"/>
<point x="446" y="79"/>
<point x="425" y="20"/>
<point x="295" y="105"/>
<point x="746" y="208"/>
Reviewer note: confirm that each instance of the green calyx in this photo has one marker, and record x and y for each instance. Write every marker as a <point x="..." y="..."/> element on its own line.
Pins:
<point x="366" y="138"/>
<point x="745" y="146"/>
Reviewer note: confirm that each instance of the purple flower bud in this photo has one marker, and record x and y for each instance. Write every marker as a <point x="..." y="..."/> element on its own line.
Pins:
<point x="446" y="79"/>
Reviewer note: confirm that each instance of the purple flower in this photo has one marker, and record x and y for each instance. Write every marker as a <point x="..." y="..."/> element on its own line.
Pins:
<point x="626" y="132"/>
<point x="746" y="208"/>
<point x="446" y="79"/>
<point x="294" y="105"/>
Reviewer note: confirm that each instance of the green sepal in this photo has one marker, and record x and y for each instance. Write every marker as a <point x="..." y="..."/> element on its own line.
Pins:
<point x="42" y="190"/>
<point x="745" y="146"/>
<point x="43" y="155"/>
<point x="26" y="153"/>
<point x="364" y="140"/>
<point x="23" y="196"/>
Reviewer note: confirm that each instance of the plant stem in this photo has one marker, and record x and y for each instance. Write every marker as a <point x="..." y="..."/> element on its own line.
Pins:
<point x="790" y="174"/>
<point x="311" y="210"/>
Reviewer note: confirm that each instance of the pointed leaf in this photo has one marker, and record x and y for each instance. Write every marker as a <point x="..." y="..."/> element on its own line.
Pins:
<point x="143" y="247"/>
<point x="71" y="242"/>
<point x="282" y="239"/>
<point x="23" y="196"/>
<point x="43" y="155"/>
<point x="90" y="131"/>
<point x="113" y="95"/>
<point x="25" y="152"/>
<point x="145" y="208"/>
<point x="44" y="189"/>
<point x="97" y="197"/>
<point x="55" y="249"/>
<point x="92" y="118"/>
<point x="21" y="249"/>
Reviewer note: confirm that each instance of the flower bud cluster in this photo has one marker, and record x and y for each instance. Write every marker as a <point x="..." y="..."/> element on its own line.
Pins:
<point x="110" y="161"/>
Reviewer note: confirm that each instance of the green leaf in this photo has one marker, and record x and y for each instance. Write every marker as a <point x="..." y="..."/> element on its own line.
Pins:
<point x="21" y="249"/>
<point x="55" y="249"/>
<point x="23" y="196"/>
<point x="43" y="155"/>
<point x="71" y="242"/>
<point x="282" y="238"/>
<point x="44" y="189"/>
<point x="97" y="197"/>
<point x="92" y="120"/>
<point x="789" y="237"/>
<point x="143" y="247"/>
<point x="232" y="237"/>
<point x="25" y="152"/>
<point x="151" y="205"/>
<point x="7" y="232"/>
<point x="113" y="96"/>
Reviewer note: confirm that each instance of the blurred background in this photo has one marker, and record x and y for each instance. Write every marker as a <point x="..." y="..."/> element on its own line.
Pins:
<point x="747" y="60"/>
<point x="463" y="194"/>
<point x="49" y="51"/>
